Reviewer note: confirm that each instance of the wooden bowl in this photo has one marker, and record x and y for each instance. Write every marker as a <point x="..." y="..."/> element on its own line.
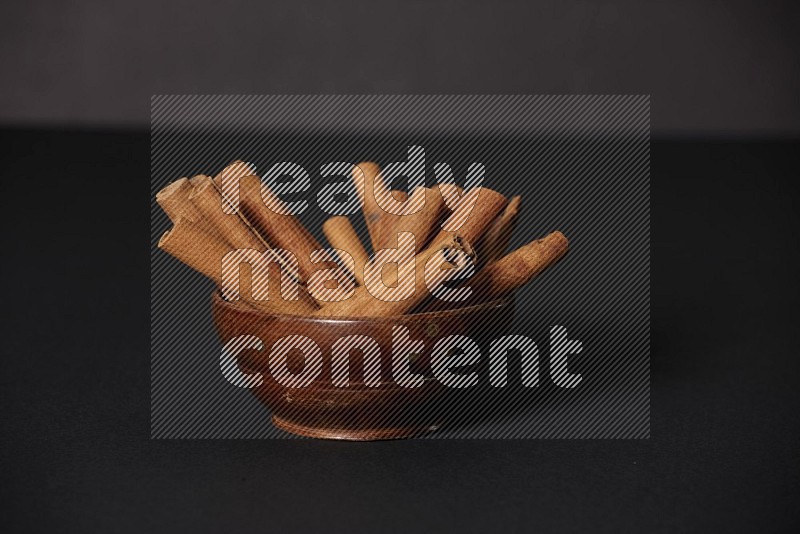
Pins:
<point x="356" y="411"/>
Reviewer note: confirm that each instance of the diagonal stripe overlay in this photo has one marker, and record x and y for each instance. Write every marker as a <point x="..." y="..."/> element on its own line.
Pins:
<point x="582" y="166"/>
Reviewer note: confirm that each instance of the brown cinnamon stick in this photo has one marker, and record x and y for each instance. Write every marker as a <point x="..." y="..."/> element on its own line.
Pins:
<point x="268" y="214"/>
<point x="233" y="229"/>
<point x="342" y="236"/>
<point x="192" y="244"/>
<point x="364" y="176"/>
<point x="271" y="218"/>
<point x="519" y="267"/>
<point x="232" y="219"/>
<point x="502" y="277"/>
<point x="388" y="220"/>
<point x="430" y="271"/>
<point x="495" y="241"/>
<point x="475" y="211"/>
<point x="174" y="198"/>
<point x="452" y="252"/>
<point x="208" y="203"/>
<point x="421" y="216"/>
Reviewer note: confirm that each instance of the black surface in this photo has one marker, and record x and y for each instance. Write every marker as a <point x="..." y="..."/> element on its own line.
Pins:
<point x="76" y="454"/>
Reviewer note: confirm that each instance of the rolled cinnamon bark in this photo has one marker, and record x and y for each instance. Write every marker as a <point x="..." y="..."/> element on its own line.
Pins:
<point x="268" y="214"/>
<point x="495" y="241"/>
<point x="234" y="230"/>
<point x="364" y="176"/>
<point x="227" y="181"/>
<point x="476" y="211"/>
<point x="342" y="236"/>
<point x="421" y="216"/>
<point x="208" y="203"/>
<point x="192" y="244"/>
<point x="387" y="220"/>
<point x="271" y="218"/>
<point x="430" y="272"/>
<point x="502" y="277"/>
<point x="174" y="198"/>
<point x="452" y="252"/>
<point x="198" y="179"/>
<point x="471" y="218"/>
<point x="518" y="268"/>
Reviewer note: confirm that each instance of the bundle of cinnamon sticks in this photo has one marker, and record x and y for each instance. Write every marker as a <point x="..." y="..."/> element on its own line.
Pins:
<point x="431" y="248"/>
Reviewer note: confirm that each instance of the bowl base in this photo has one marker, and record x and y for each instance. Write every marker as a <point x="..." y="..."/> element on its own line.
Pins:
<point x="352" y="434"/>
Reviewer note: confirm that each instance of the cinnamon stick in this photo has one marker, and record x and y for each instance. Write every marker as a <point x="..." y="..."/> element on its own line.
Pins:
<point x="472" y="216"/>
<point x="268" y="214"/>
<point x="192" y="244"/>
<point x="370" y="186"/>
<point x="234" y="230"/>
<point x="174" y="198"/>
<point x="271" y="218"/>
<point x="519" y="267"/>
<point x="342" y="236"/>
<point x="451" y="195"/>
<point x="477" y="209"/>
<point x="495" y="241"/>
<point x="387" y="220"/>
<point x="233" y="218"/>
<point x="421" y="215"/>
<point x="430" y="271"/>
<point x="208" y="204"/>
<point x="452" y="252"/>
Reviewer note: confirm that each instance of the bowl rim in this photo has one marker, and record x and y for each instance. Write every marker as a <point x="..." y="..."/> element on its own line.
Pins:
<point x="217" y="300"/>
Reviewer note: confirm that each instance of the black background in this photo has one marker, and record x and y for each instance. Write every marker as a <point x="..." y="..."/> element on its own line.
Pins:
<point x="723" y="452"/>
<point x="713" y="67"/>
